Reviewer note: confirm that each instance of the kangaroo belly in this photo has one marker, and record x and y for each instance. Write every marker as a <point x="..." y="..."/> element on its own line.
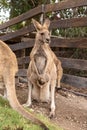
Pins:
<point x="40" y="60"/>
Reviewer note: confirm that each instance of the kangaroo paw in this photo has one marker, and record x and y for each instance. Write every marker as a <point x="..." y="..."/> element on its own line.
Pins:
<point x="52" y="114"/>
<point x="27" y="105"/>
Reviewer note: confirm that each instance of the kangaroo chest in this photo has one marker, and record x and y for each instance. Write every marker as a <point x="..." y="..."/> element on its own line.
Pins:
<point x="40" y="59"/>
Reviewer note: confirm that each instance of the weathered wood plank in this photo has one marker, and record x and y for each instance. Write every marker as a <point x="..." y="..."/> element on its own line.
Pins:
<point x="22" y="72"/>
<point x="66" y="62"/>
<point x="56" y="42"/>
<point x="65" y="5"/>
<point x="74" y="63"/>
<point x="29" y="14"/>
<point x="23" y="60"/>
<point x="22" y="45"/>
<point x="74" y="81"/>
<point x="69" y="23"/>
<point x="18" y="33"/>
<point x="69" y="42"/>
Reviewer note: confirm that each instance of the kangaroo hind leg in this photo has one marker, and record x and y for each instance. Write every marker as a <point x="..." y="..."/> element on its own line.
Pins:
<point x="53" y="85"/>
<point x="29" y="101"/>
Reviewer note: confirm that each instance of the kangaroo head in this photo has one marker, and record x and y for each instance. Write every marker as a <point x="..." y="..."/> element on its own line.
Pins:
<point x="43" y="34"/>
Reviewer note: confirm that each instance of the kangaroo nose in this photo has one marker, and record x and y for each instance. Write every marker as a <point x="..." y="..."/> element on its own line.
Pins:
<point x="47" y="40"/>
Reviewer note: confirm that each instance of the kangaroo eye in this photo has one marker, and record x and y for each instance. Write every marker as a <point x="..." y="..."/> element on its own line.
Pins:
<point x="42" y="34"/>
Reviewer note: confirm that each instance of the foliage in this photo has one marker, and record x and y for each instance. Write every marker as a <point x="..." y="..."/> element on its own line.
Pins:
<point x="18" y="7"/>
<point x="4" y="10"/>
<point x="67" y="14"/>
<point x="4" y="4"/>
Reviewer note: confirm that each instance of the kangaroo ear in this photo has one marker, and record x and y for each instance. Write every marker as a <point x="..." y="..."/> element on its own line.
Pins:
<point x="37" y="25"/>
<point x="46" y="23"/>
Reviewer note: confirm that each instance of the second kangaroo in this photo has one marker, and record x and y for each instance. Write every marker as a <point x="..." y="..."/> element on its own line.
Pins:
<point x="44" y="71"/>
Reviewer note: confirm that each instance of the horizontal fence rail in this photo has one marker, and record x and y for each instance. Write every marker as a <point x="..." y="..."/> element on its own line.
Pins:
<point x="69" y="42"/>
<point x="74" y="63"/>
<point x="66" y="62"/>
<point x="69" y="23"/>
<point x="74" y="81"/>
<point x="22" y="45"/>
<point x="66" y="4"/>
<point x="18" y="33"/>
<point x="55" y="42"/>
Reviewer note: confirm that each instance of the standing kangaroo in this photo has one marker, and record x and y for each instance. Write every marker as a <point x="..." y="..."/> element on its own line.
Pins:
<point x="8" y="69"/>
<point x="44" y="71"/>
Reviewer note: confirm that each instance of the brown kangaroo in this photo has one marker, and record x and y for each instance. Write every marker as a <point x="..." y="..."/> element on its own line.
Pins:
<point x="8" y="69"/>
<point x="44" y="71"/>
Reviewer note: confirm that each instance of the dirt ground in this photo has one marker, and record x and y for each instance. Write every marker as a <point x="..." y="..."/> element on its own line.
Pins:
<point x="71" y="110"/>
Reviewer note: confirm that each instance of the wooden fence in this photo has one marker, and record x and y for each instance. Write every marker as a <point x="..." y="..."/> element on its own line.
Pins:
<point x="78" y="64"/>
